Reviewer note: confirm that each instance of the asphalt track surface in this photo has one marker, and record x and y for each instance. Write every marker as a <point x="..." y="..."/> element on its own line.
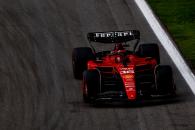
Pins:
<point x="37" y="88"/>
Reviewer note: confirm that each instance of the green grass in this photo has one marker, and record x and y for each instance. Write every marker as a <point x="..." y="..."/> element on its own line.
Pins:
<point x="179" y="17"/>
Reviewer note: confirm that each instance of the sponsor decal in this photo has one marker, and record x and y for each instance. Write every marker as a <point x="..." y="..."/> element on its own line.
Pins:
<point x="113" y="34"/>
<point x="129" y="76"/>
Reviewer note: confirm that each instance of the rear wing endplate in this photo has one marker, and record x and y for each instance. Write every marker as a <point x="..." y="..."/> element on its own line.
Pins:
<point x="114" y="36"/>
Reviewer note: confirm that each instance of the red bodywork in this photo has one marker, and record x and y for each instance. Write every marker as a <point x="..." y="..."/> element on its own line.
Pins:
<point x="127" y="72"/>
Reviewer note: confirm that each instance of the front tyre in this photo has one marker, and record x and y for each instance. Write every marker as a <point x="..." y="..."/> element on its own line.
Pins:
<point x="164" y="80"/>
<point x="91" y="85"/>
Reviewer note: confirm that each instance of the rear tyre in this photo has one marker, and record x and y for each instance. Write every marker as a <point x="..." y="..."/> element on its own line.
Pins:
<point x="164" y="80"/>
<point x="91" y="85"/>
<point x="80" y="56"/>
<point x="149" y="50"/>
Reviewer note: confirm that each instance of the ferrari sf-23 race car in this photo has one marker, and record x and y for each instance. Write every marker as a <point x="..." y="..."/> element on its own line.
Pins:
<point x="118" y="67"/>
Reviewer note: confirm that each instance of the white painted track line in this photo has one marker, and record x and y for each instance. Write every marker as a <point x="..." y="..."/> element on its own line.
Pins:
<point x="167" y="43"/>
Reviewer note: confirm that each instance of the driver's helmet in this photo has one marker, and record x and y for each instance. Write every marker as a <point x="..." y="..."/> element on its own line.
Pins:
<point x="118" y="46"/>
<point x="118" y="59"/>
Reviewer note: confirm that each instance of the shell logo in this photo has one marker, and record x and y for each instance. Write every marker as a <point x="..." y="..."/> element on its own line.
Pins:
<point x="129" y="76"/>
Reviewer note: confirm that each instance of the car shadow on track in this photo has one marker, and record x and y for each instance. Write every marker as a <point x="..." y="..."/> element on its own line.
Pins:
<point x="142" y="103"/>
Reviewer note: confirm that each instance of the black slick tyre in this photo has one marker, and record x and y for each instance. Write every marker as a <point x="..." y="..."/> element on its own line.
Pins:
<point x="149" y="50"/>
<point x="80" y="56"/>
<point x="164" y="80"/>
<point x="91" y="85"/>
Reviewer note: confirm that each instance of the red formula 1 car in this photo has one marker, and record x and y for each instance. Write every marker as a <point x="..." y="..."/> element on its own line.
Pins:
<point x="115" y="67"/>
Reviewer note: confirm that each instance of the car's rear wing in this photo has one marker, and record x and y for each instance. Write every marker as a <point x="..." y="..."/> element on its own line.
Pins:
<point x="114" y="36"/>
